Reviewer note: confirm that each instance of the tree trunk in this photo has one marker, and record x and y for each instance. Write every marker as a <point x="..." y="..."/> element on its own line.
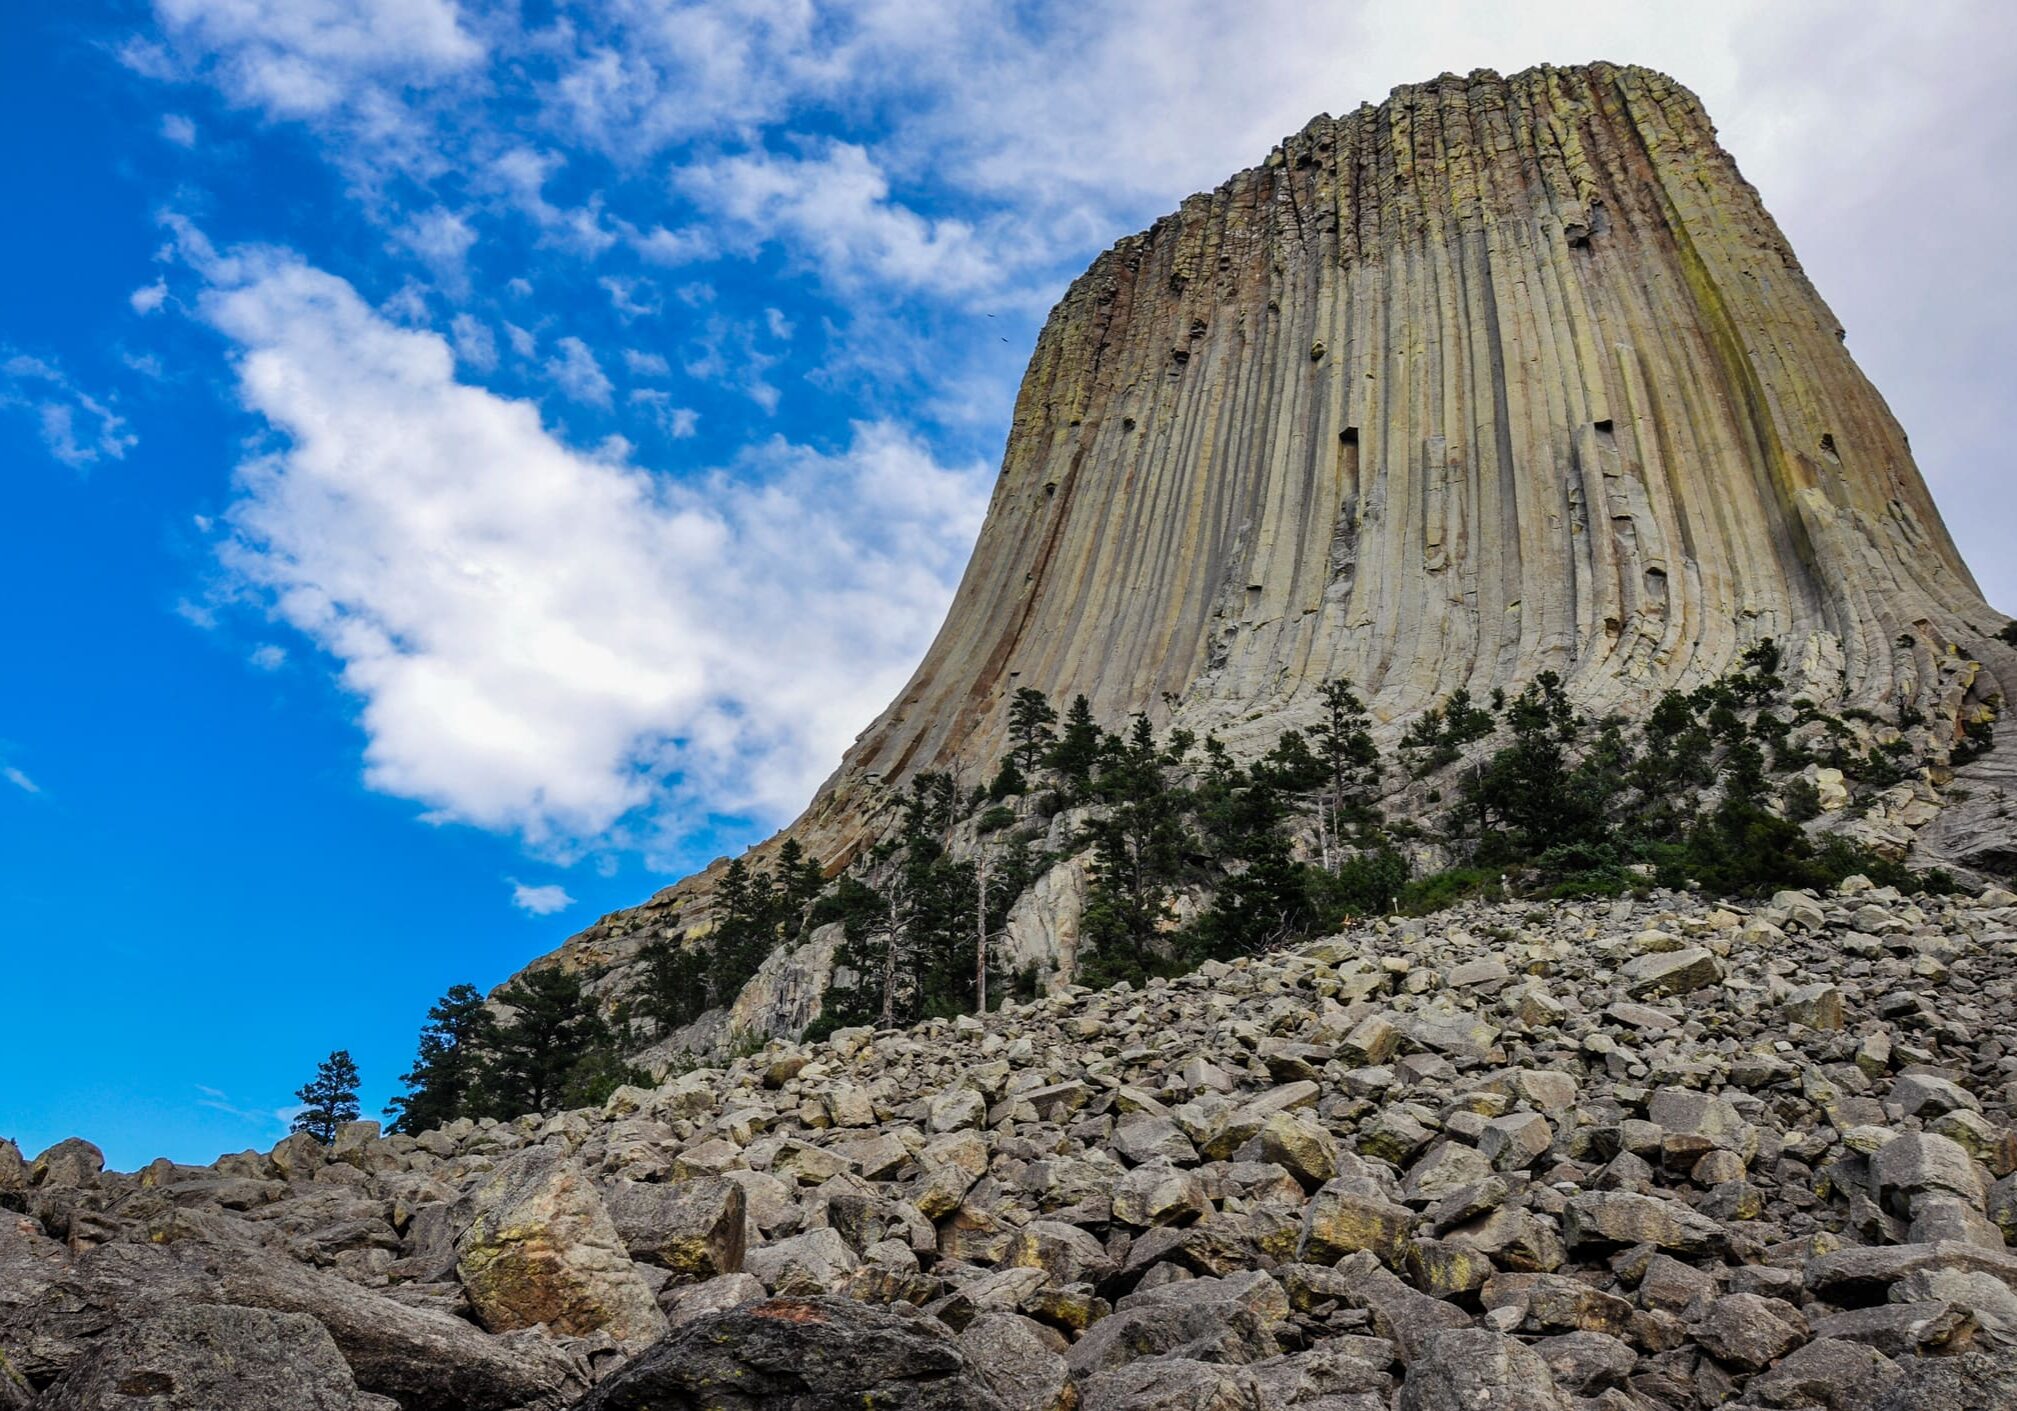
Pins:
<point x="980" y="940"/>
<point x="889" y="965"/>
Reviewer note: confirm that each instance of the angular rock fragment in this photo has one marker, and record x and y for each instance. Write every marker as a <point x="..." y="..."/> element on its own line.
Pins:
<point x="801" y="1354"/>
<point x="540" y="1248"/>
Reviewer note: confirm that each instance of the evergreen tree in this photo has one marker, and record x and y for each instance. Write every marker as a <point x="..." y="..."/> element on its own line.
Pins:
<point x="745" y="929"/>
<point x="1077" y="752"/>
<point x="553" y="1029"/>
<point x="1137" y="846"/>
<point x="1030" y="721"/>
<point x="329" y="1100"/>
<point x="675" y="988"/>
<point x="1265" y="897"/>
<point x="1007" y="780"/>
<point x="1529" y="787"/>
<point x="442" y="1084"/>
<point x="800" y="880"/>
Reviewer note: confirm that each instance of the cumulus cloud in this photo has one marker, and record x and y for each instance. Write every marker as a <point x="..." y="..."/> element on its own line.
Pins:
<point x="148" y="298"/>
<point x="833" y="208"/>
<point x="547" y="641"/>
<point x="76" y="428"/>
<point x="178" y="129"/>
<point x="539" y="901"/>
<point x="268" y="657"/>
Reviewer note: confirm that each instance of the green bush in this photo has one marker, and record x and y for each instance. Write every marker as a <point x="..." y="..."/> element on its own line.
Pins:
<point x="1444" y="889"/>
<point x="994" y="820"/>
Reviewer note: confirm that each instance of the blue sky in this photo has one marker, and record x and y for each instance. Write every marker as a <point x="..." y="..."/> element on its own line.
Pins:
<point x="468" y="466"/>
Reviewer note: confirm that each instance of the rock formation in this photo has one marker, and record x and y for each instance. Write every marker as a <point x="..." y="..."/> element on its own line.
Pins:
<point x="1616" y="1156"/>
<point x="1501" y="376"/>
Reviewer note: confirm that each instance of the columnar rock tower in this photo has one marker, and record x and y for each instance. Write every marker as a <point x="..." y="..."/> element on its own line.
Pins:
<point x="1501" y="376"/>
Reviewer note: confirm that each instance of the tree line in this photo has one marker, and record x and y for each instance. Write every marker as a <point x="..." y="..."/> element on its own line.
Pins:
<point x="554" y="1051"/>
<point x="1192" y="855"/>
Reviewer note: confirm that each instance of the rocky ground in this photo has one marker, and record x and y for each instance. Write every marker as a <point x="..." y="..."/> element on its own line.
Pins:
<point x="1626" y="1155"/>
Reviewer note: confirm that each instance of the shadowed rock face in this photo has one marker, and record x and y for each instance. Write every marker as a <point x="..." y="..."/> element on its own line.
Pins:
<point x="1501" y="376"/>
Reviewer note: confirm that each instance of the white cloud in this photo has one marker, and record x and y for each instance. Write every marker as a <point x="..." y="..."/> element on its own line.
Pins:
<point x="76" y="427"/>
<point x="670" y="247"/>
<point x="177" y="129"/>
<point x="644" y="364"/>
<point x="834" y="209"/>
<point x="539" y="901"/>
<point x="297" y="58"/>
<point x="149" y="297"/>
<point x="523" y="343"/>
<point x="578" y="374"/>
<point x="19" y="779"/>
<point x="442" y="239"/>
<point x="220" y="1101"/>
<point x="631" y="298"/>
<point x="554" y="643"/>
<point x="268" y="657"/>
<point x="781" y="328"/>
<point x="475" y="347"/>
<point x="725" y="352"/>
<point x="520" y="174"/>
<point x="676" y="422"/>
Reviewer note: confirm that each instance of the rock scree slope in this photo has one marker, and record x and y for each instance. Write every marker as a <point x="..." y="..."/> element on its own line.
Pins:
<point x="1658" y="1155"/>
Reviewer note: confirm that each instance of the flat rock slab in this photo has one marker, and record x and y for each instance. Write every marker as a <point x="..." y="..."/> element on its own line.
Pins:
<point x="801" y="1354"/>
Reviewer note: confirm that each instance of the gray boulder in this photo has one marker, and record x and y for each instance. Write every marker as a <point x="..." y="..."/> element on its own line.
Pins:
<point x="800" y="1354"/>
<point x="176" y="1356"/>
<point x="1475" y="1369"/>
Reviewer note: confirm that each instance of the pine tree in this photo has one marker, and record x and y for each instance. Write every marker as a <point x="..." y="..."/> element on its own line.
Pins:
<point x="330" y="1100"/>
<point x="800" y="880"/>
<point x="535" y="1051"/>
<point x="1136" y="849"/>
<point x="1030" y="721"/>
<point x="1077" y="751"/>
<point x="1351" y="762"/>
<point x="442" y="1085"/>
<point x="745" y="929"/>
<point x="675" y="990"/>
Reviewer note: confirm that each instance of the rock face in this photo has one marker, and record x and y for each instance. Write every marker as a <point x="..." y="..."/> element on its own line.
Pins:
<point x="1503" y="375"/>
<point x="1266" y="1184"/>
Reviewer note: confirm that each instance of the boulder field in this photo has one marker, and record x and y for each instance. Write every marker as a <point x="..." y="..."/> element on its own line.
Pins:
<point x="1610" y="1156"/>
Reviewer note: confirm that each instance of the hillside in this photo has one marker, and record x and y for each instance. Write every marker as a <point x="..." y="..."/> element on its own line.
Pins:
<point x="1618" y="1155"/>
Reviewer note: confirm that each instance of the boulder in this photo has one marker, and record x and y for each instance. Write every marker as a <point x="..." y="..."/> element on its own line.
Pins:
<point x="696" y="1229"/>
<point x="800" y="1354"/>
<point x="1675" y="972"/>
<point x="176" y="1356"/>
<point x="1475" y="1369"/>
<point x="540" y="1248"/>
